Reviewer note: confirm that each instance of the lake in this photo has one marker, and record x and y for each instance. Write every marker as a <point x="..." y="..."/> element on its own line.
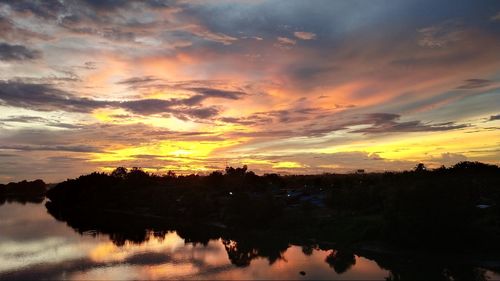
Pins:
<point x="34" y="245"/>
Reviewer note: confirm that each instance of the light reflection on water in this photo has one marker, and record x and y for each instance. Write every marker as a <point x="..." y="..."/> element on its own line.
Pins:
<point x="34" y="245"/>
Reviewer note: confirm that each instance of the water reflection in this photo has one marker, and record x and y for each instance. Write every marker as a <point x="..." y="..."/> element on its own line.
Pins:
<point x="34" y="245"/>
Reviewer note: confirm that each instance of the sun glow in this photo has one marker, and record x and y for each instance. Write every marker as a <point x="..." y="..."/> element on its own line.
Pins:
<point x="287" y="164"/>
<point x="162" y="149"/>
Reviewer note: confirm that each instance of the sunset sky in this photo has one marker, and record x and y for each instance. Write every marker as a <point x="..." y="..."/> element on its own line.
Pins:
<point x="281" y="86"/>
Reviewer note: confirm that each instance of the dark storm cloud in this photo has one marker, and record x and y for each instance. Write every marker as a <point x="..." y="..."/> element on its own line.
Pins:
<point x="17" y="53"/>
<point x="296" y="123"/>
<point x="474" y="84"/>
<point x="106" y="4"/>
<point x="10" y="32"/>
<point x="216" y="93"/>
<point x="494" y="117"/>
<point x="380" y="123"/>
<point x="260" y="118"/>
<point x="40" y="120"/>
<point x="23" y="119"/>
<point x="203" y="89"/>
<point x="138" y="80"/>
<point x="185" y="108"/>
<point x="53" y="9"/>
<point x="106" y="19"/>
<point x="147" y="106"/>
<point x="109" y="5"/>
<point x="42" y="9"/>
<point x="69" y="148"/>
<point x="287" y="117"/>
<point x="193" y="100"/>
<point x="387" y="123"/>
<point x="308" y="72"/>
<point x="201" y="113"/>
<point x="45" y="97"/>
<point x="118" y="35"/>
<point x="242" y="120"/>
<point x="379" y="118"/>
<point x="110" y="33"/>
<point x="146" y="83"/>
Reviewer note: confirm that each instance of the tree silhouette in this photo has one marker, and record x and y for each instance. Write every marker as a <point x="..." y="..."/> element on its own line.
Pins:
<point x="340" y="261"/>
<point x="420" y="167"/>
<point x="119" y="172"/>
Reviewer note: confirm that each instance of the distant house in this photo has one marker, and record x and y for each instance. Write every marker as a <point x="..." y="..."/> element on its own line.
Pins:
<point x="360" y="171"/>
<point x="317" y="200"/>
<point x="294" y="197"/>
<point x="484" y="203"/>
<point x="483" y="206"/>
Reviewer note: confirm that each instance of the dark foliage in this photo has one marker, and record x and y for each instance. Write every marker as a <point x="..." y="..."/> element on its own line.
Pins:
<point x="438" y="208"/>
<point x="23" y="192"/>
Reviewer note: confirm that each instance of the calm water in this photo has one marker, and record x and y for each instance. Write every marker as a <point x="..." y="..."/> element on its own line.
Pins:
<point x="35" y="245"/>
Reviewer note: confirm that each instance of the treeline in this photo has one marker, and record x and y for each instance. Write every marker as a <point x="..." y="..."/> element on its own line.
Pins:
<point x="443" y="207"/>
<point x="234" y="197"/>
<point x="23" y="192"/>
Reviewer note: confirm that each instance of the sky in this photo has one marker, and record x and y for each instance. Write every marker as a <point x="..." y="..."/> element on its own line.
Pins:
<point x="289" y="87"/>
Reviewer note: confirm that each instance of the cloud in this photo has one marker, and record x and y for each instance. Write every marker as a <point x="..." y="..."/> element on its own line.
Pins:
<point x="42" y="9"/>
<point x="305" y="73"/>
<point x="186" y="60"/>
<point x="181" y="108"/>
<point x="44" y="97"/>
<point x="103" y="134"/>
<point x="68" y="148"/>
<point x="109" y="33"/>
<point x="40" y="120"/>
<point x="235" y="120"/>
<point x="387" y="123"/>
<point x="216" y="93"/>
<point x="11" y="32"/>
<point x="333" y="162"/>
<point x="474" y="84"/>
<point x="448" y="159"/>
<point x="316" y="122"/>
<point x="441" y="35"/>
<point x="305" y="35"/>
<point x="106" y="4"/>
<point x="156" y="106"/>
<point x="200" y="113"/>
<point x="109" y="19"/>
<point x="285" y="43"/>
<point x="253" y="37"/>
<point x="147" y="106"/>
<point x="494" y="117"/>
<point x="202" y="89"/>
<point x="213" y="36"/>
<point x="495" y="17"/>
<point x="138" y="80"/>
<point x="23" y="119"/>
<point x="17" y="53"/>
